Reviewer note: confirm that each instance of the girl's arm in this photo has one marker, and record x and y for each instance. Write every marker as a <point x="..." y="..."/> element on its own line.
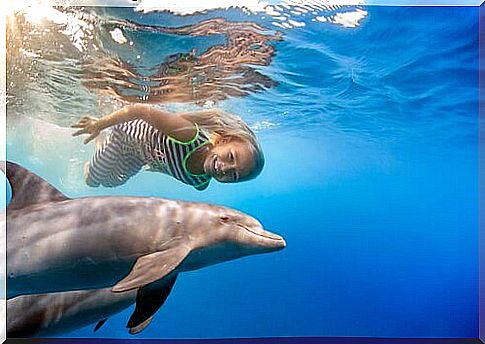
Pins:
<point x="170" y="124"/>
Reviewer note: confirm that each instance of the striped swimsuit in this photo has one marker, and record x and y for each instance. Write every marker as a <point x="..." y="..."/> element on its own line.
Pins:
<point x="130" y="146"/>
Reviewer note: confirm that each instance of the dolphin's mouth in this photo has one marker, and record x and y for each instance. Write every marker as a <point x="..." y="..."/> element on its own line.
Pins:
<point x="266" y="235"/>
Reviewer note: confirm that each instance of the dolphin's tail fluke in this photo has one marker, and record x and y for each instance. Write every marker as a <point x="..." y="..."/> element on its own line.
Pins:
<point x="28" y="188"/>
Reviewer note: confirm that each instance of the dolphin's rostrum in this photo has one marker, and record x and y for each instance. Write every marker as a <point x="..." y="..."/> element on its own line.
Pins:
<point x="58" y="244"/>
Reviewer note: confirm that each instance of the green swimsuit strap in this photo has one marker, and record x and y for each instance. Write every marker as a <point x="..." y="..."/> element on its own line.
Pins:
<point x="186" y="158"/>
<point x="196" y="136"/>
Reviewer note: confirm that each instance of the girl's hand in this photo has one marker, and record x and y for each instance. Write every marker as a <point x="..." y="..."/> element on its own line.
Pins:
<point x="89" y="125"/>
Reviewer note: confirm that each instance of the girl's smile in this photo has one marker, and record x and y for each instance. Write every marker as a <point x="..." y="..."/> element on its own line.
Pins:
<point x="229" y="162"/>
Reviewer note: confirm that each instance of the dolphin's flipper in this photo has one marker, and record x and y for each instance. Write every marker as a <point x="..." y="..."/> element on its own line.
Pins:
<point x="141" y="327"/>
<point x="99" y="324"/>
<point x="28" y="188"/>
<point x="148" y="300"/>
<point x="153" y="267"/>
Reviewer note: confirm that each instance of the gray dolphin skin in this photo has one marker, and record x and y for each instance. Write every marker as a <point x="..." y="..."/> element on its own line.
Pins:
<point x="57" y="244"/>
<point x="57" y="313"/>
<point x="43" y="315"/>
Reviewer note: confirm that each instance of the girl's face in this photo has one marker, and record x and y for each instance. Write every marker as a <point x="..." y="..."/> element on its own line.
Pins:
<point x="229" y="161"/>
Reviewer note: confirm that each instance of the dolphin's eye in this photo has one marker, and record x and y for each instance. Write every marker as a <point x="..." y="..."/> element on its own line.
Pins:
<point x="224" y="218"/>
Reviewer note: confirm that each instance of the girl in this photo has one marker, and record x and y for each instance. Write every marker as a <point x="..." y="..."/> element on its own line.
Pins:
<point x="192" y="147"/>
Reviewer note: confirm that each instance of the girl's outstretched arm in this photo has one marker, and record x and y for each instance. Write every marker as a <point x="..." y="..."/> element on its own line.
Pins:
<point x="173" y="125"/>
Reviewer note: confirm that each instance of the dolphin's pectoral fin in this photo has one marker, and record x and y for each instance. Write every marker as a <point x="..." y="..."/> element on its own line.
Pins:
<point x="28" y="188"/>
<point x="152" y="267"/>
<point x="141" y="327"/>
<point x="148" y="300"/>
<point x="99" y="324"/>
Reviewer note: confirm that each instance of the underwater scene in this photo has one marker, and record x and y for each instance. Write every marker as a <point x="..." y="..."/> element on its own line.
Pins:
<point x="285" y="169"/>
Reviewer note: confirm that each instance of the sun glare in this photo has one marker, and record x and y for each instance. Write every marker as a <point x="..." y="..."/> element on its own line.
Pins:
<point x="34" y="10"/>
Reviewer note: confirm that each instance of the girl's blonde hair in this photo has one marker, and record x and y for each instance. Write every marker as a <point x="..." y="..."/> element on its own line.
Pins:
<point x="219" y="124"/>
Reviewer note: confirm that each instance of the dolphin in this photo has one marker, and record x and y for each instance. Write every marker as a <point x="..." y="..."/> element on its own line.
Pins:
<point x="58" y="244"/>
<point x="43" y="315"/>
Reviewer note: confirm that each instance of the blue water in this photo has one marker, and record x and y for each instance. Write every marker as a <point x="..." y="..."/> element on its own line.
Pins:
<point x="371" y="144"/>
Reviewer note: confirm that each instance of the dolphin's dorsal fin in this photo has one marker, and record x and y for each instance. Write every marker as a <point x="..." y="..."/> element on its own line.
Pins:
<point x="141" y="327"/>
<point x="148" y="300"/>
<point x="28" y="188"/>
